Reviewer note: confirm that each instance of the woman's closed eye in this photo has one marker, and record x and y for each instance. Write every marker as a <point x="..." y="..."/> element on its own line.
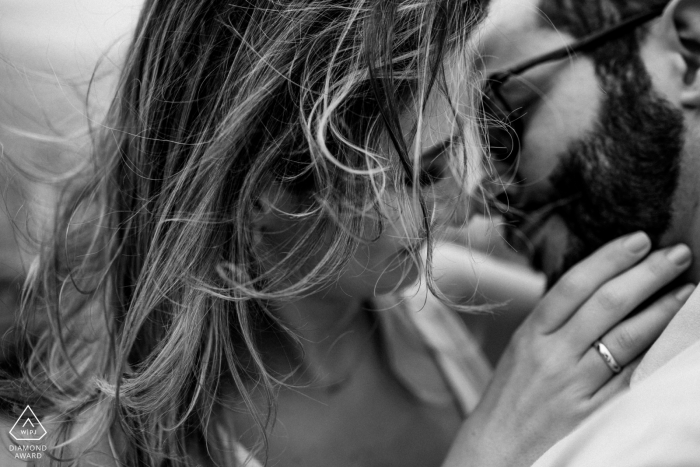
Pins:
<point x="431" y="173"/>
<point x="434" y="165"/>
<point x="434" y="172"/>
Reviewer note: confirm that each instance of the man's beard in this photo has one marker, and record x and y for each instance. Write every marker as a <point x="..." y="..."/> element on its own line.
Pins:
<point x="622" y="176"/>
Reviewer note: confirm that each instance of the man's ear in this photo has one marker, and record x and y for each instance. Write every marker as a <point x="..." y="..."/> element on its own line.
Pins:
<point x="684" y="26"/>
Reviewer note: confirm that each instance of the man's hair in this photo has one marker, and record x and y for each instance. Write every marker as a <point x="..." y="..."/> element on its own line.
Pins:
<point x="581" y="17"/>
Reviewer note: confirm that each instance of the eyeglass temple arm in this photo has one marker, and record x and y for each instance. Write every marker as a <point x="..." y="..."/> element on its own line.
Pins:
<point x="590" y="41"/>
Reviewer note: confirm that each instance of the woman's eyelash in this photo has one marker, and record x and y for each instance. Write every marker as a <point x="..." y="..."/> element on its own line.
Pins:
<point x="429" y="176"/>
<point x="434" y="165"/>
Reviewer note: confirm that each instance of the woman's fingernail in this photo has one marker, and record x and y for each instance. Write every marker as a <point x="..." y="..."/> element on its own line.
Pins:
<point x="684" y="293"/>
<point x="680" y="254"/>
<point x="638" y="242"/>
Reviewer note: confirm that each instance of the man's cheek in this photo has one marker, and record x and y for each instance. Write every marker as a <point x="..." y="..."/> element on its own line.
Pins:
<point x="540" y="152"/>
<point x="565" y="112"/>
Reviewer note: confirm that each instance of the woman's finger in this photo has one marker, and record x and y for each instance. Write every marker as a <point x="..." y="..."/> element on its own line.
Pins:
<point x="581" y="281"/>
<point x="630" y="338"/>
<point x="618" y="297"/>
<point x="618" y="383"/>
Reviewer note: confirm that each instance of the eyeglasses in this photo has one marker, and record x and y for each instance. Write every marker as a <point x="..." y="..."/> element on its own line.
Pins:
<point x="505" y="124"/>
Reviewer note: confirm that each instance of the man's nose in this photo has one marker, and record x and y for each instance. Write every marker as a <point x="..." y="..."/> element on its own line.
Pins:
<point x="453" y="203"/>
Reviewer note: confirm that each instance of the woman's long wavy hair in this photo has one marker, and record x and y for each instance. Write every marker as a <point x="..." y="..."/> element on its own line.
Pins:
<point x="151" y="290"/>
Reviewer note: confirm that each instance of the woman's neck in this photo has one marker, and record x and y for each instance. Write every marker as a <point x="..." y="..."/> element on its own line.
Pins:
<point x="334" y="332"/>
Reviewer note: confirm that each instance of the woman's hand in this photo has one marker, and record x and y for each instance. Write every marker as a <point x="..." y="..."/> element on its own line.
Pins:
<point x="550" y="376"/>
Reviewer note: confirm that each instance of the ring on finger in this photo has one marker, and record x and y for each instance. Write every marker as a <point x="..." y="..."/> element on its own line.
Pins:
<point x="607" y="356"/>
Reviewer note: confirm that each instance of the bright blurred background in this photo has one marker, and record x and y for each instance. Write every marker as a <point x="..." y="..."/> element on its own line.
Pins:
<point x="49" y="55"/>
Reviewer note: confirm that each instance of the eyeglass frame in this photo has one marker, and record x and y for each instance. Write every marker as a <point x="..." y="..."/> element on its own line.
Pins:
<point x="496" y="80"/>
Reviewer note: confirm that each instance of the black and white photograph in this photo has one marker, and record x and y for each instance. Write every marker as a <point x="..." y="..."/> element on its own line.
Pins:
<point x="349" y="233"/>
